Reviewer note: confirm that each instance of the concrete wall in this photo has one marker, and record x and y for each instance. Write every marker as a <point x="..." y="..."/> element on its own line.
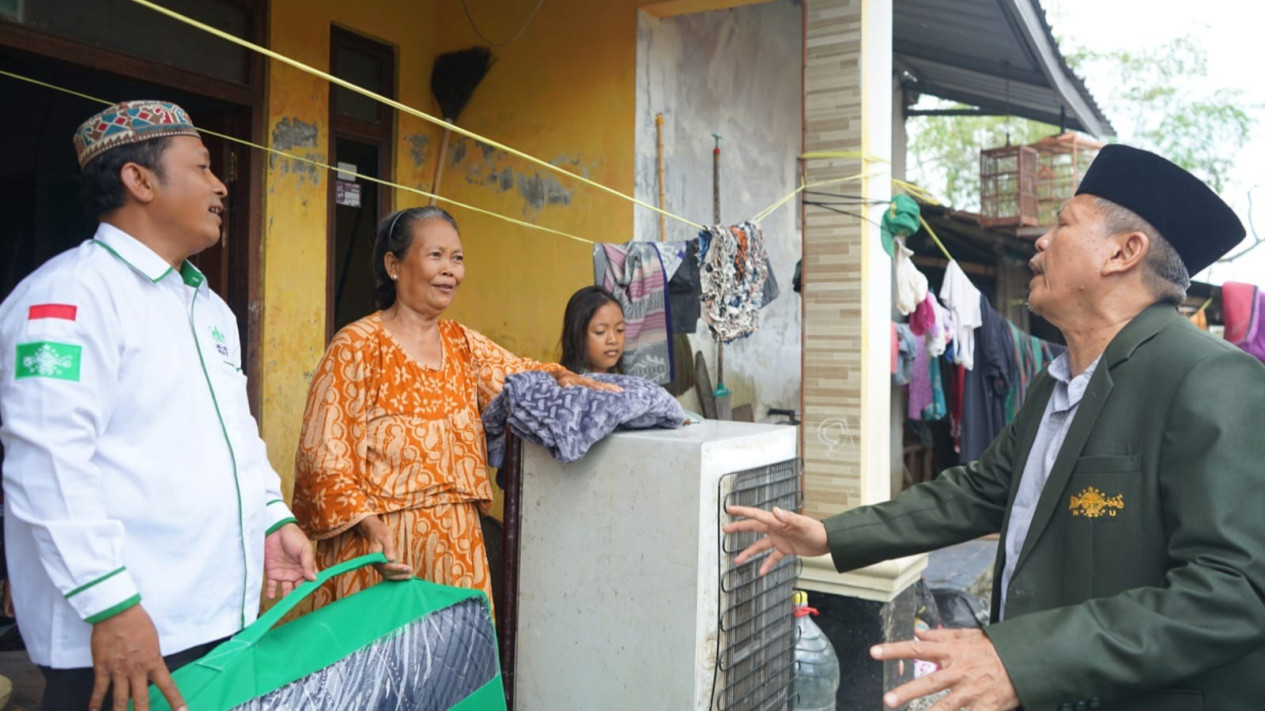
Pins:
<point x="736" y="73"/>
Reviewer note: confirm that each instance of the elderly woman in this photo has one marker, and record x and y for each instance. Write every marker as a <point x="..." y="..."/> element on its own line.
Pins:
<point x="392" y="454"/>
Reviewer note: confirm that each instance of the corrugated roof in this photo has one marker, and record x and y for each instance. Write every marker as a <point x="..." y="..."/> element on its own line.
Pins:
<point x="998" y="55"/>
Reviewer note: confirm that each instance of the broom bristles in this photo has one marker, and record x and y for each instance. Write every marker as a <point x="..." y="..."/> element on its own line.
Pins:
<point x="455" y="76"/>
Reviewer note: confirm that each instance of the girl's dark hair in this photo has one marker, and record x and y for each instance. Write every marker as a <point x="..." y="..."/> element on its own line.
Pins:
<point x="395" y="235"/>
<point x="101" y="190"/>
<point x="575" y="327"/>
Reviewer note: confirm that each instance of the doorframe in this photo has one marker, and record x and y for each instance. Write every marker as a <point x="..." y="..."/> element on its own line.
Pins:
<point x="250" y="97"/>
<point x="380" y="133"/>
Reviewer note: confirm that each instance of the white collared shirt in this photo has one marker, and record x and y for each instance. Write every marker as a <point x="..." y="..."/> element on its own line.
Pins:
<point x="132" y="464"/>
<point x="1061" y="409"/>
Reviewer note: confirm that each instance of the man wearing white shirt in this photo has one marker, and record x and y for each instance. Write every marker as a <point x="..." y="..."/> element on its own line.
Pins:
<point x="141" y="514"/>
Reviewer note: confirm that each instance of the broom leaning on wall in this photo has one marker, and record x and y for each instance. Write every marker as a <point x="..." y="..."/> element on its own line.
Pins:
<point x="453" y="81"/>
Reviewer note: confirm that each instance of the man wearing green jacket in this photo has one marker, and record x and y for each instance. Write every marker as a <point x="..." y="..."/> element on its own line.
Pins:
<point x="1128" y="491"/>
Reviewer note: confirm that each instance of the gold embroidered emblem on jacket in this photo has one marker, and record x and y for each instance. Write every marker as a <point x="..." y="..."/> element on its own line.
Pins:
<point x="1092" y="503"/>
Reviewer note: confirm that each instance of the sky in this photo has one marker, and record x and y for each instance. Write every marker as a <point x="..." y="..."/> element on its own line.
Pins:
<point x="1232" y="40"/>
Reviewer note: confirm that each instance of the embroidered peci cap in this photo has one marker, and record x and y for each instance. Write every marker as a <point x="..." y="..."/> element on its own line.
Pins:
<point x="130" y="122"/>
<point x="1187" y="213"/>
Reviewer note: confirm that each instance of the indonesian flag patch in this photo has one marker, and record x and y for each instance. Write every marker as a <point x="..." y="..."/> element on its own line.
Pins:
<point x="62" y="311"/>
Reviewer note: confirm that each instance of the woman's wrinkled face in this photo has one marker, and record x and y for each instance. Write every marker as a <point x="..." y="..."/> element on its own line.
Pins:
<point x="433" y="267"/>
<point x="605" y="344"/>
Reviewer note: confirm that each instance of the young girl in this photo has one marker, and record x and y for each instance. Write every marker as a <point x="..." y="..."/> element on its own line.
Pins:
<point x="593" y="332"/>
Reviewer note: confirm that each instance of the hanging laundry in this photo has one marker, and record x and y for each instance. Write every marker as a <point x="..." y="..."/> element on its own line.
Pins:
<point x="568" y="421"/>
<point x="1242" y="304"/>
<point x="920" y="394"/>
<point x="908" y="344"/>
<point x="941" y="332"/>
<point x="911" y="284"/>
<point x="734" y="270"/>
<point x="937" y="409"/>
<point x="923" y="319"/>
<point x="963" y="299"/>
<point x="1031" y="355"/>
<point x="895" y="349"/>
<point x="633" y="272"/>
<point x="680" y="268"/>
<point x="986" y="386"/>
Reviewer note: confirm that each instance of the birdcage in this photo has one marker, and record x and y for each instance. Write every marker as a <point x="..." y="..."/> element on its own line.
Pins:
<point x="1008" y="188"/>
<point x="1061" y="164"/>
<point x="1024" y="186"/>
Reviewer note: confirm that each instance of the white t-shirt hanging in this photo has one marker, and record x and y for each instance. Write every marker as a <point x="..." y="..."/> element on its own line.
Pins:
<point x="911" y="285"/>
<point x="962" y="298"/>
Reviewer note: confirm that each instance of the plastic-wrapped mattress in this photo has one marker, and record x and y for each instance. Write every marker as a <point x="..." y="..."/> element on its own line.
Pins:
<point x="394" y="646"/>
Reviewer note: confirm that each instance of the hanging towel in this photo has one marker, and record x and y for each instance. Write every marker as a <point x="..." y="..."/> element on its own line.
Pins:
<point x="923" y="319"/>
<point x="1242" y="305"/>
<point x="911" y="285"/>
<point x="963" y="299"/>
<point x="634" y="273"/>
<point x="734" y="271"/>
<point x="568" y="421"/>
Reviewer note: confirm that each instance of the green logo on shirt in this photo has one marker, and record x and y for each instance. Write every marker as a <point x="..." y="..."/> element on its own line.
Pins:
<point x="217" y="334"/>
<point x="46" y="359"/>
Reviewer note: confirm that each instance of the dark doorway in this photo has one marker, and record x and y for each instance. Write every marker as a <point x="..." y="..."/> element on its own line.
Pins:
<point x="355" y="219"/>
<point x="39" y="198"/>
<point x="361" y="140"/>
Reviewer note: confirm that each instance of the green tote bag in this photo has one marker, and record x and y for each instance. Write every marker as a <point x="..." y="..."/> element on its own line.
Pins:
<point x="396" y="645"/>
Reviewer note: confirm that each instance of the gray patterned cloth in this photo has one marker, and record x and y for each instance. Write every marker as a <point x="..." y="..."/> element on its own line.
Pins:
<point x="432" y="664"/>
<point x="567" y="421"/>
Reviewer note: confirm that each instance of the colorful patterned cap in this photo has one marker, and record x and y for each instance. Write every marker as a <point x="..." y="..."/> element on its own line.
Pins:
<point x="130" y="122"/>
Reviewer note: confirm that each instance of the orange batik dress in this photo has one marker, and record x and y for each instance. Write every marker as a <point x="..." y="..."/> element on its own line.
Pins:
<point x="385" y="435"/>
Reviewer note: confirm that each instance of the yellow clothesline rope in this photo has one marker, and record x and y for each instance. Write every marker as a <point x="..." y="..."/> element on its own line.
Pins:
<point x="916" y="191"/>
<point x="407" y="109"/>
<point x="309" y="161"/>
<point x="763" y="214"/>
<point x="935" y="239"/>
<point x="858" y="155"/>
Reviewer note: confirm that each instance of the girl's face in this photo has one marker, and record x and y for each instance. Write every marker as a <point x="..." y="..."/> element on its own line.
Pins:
<point x="605" y="344"/>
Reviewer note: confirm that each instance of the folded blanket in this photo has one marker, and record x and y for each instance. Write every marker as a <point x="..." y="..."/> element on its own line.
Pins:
<point x="568" y="421"/>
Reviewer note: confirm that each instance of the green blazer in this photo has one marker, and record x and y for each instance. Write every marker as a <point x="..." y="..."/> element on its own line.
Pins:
<point x="1141" y="584"/>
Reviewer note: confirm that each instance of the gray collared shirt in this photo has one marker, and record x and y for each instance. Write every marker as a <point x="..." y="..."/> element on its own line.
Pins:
<point x="1055" y="423"/>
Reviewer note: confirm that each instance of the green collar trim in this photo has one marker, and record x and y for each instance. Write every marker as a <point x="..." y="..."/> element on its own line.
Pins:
<point x="142" y="259"/>
<point x="190" y="274"/>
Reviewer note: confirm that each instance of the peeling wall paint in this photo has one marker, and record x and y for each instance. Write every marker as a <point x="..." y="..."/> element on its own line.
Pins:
<point x="735" y="73"/>
<point x="540" y="190"/>
<point x="290" y="133"/>
<point x="418" y="147"/>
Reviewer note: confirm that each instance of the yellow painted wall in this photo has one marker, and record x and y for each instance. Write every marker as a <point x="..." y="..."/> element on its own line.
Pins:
<point x="564" y="92"/>
<point x="296" y="199"/>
